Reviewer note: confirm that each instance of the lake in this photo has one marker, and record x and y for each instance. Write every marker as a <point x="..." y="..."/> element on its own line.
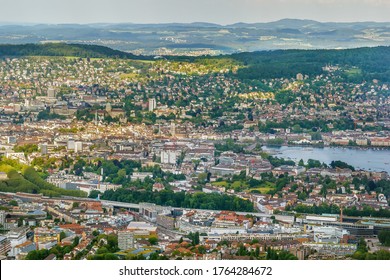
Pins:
<point x="367" y="159"/>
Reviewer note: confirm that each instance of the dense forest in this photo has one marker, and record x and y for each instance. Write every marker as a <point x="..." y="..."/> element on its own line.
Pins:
<point x="372" y="63"/>
<point x="62" y="49"/>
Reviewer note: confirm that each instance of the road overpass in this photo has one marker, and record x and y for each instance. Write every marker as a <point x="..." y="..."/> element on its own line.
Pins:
<point x="137" y="206"/>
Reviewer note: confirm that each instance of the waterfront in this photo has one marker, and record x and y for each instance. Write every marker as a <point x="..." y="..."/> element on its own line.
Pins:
<point x="368" y="159"/>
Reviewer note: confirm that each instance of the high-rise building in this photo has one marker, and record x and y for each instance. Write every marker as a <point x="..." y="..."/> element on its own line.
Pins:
<point x="125" y="240"/>
<point x="108" y="107"/>
<point x="173" y="129"/>
<point x="5" y="245"/>
<point x="168" y="156"/>
<point x="51" y="93"/>
<point x="44" y="149"/>
<point x="2" y="217"/>
<point x="152" y="104"/>
<point x="71" y="144"/>
<point x="78" y="147"/>
<point x="11" y="140"/>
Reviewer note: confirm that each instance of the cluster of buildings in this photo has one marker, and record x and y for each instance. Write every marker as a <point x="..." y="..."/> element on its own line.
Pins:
<point x="60" y="221"/>
<point x="55" y="112"/>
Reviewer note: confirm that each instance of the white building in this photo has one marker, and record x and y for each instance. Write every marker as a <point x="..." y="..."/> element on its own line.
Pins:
<point x="17" y="236"/>
<point x="78" y="147"/>
<point x="168" y="156"/>
<point x="2" y="217"/>
<point x="141" y="175"/>
<point x="71" y="145"/>
<point x="152" y="104"/>
<point x="125" y="240"/>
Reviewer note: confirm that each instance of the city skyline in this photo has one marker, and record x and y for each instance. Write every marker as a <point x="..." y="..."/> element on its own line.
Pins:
<point x="168" y="11"/>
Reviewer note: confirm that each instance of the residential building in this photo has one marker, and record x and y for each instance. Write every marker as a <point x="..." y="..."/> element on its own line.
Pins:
<point x="125" y="239"/>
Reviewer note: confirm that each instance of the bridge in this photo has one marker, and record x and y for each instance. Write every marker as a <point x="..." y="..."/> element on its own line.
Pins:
<point x="137" y="206"/>
<point x="119" y="204"/>
<point x="126" y="205"/>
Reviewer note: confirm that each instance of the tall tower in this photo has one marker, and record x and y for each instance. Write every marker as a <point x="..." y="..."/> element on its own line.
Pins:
<point x="108" y="107"/>
<point x="51" y="93"/>
<point x="152" y="104"/>
<point x="173" y="129"/>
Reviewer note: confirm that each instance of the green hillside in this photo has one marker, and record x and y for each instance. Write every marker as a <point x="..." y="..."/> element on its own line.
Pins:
<point x="62" y="49"/>
<point x="28" y="180"/>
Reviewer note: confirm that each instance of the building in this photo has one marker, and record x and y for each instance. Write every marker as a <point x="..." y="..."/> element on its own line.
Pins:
<point x="17" y="236"/>
<point x="173" y="129"/>
<point x="299" y="77"/>
<point x="44" y="149"/>
<point x="331" y="248"/>
<point x="169" y="157"/>
<point x="71" y="145"/>
<point x="3" y="176"/>
<point x="5" y="245"/>
<point x="141" y="176"/>
<point x="167" y="221"/>
<point x="125" y="240"/>
<point x="51" y="257"/>
<point x="44" y="236"/>
<point x="23" y="248"/>
<point x="78" y="147"/>
<point x="150" y="211"/>
<point x="152" y="104"/>
<point x="142" y="228"/>
<point x="11" y="140"/>
<point x="51" y="93"/>
<point x="3" y="214"/>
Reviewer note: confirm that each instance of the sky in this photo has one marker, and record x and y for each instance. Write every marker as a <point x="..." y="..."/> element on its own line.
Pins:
<point x="168" y="11"/>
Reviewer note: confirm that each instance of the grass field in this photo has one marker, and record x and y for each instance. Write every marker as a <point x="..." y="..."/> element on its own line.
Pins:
<point x="352" y="72"/>
<point x="263" y="188"/>
<point x="220" y="184"/>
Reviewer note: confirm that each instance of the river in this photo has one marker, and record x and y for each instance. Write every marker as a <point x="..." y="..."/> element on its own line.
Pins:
<point x="368" y="159"/>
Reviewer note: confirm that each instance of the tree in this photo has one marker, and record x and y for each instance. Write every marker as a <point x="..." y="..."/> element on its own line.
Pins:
<point x="202" y="177"/>
<point x="76" y="241"/>
<point x="384" y="237"/>
<point x="153" y="240"/>
<point x="194" y="238"/>
<point x="341" y="164"/>
<point x="37" y="254"/>
<point x="20" y="221"/>
<point x="279" y="255"/>
<point x="62" y="235"/>
<point x="94" y="194"/>
<point x="13" y="203"/>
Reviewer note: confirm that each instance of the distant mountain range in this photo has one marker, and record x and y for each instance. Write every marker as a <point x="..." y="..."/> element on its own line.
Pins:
<point x="180" y="38"/>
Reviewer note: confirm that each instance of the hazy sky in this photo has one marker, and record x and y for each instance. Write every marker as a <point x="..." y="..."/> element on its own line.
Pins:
<point x="216" y="11"/>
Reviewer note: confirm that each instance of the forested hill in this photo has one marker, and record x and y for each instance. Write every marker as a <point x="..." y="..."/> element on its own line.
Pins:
<point x="62" y="49"/>
<point x="373" y="63"/>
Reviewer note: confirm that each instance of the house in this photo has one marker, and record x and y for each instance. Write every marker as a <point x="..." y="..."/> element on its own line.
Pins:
<point x="3" y="176"/>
